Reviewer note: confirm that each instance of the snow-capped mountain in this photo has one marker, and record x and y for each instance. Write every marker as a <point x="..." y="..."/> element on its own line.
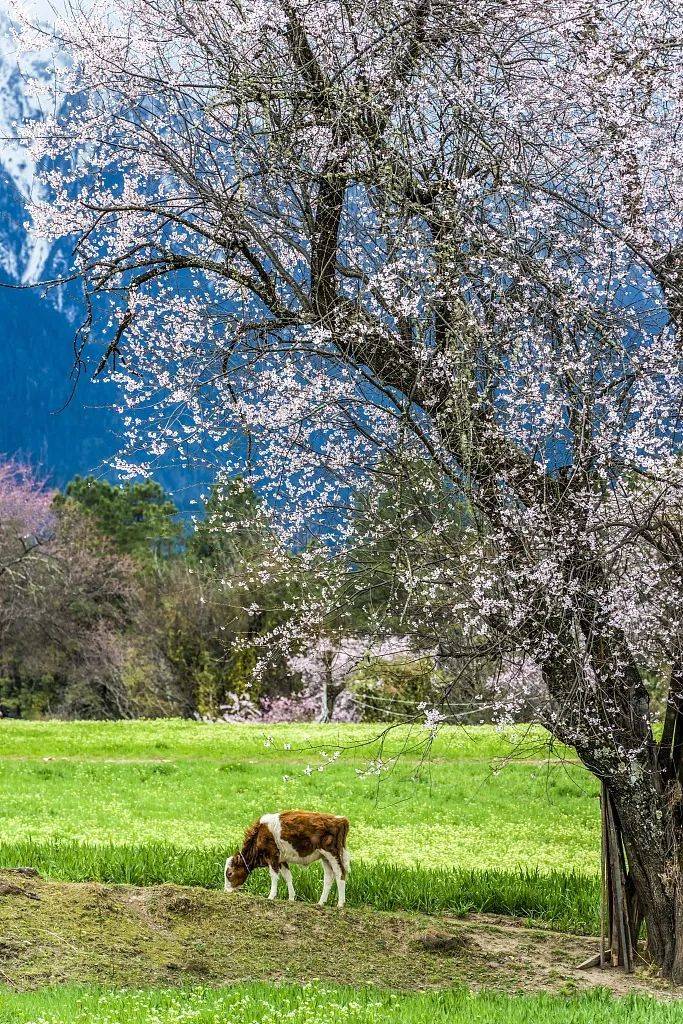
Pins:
<point x="36" y="331"/>
<point x="23" y="256"/>
<point x="39" y="421"/>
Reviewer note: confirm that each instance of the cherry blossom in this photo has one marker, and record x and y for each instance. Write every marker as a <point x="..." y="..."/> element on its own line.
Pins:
<point x="427" y="250"/>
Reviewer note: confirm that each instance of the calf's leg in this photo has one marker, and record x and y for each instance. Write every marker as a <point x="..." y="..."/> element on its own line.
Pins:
<point x="328" y="879"/>
<point x="340" y="878"/>
<point x="344" y="864"/>
<point x="287" y="875"/>
<point x="273" y="883"/>
<point x="341" y="887"/>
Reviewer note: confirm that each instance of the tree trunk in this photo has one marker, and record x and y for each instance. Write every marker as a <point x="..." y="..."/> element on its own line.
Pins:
<point x="642" y="830"/>
<point x="324" y="715"/>
<point x="329" y="691"/>
<point x="642" y="842"/>
<point x="654" y="848"/>
<point x="654" y="891"/>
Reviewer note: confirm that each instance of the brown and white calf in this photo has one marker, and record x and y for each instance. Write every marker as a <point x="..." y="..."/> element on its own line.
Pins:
<point x="293" y="837"/>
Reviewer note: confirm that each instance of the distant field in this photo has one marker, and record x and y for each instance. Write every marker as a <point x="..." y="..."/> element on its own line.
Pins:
<point x="458" y="805"/>
<point x="181" y="738"/>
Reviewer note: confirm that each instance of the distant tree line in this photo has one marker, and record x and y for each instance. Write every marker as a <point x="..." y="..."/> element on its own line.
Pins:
<point x="114" y="606"/>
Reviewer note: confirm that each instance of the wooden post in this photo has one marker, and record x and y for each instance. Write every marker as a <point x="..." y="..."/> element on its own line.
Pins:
<point x="622" y="940"/>
<point x="603" y="873"/>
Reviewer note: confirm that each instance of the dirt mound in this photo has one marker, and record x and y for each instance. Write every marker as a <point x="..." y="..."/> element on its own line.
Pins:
<point x="168" y="934"/>
<point x="434" y="942"/>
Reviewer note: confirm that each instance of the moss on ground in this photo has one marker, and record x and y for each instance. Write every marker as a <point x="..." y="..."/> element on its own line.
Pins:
<point x="89" y="933"/>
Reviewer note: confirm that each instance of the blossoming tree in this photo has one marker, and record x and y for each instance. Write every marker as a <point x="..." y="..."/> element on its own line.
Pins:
<point x="365" y="236"/>
<point x="26" y="519"/>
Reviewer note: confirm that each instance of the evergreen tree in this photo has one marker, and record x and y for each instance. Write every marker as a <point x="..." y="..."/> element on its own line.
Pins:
<point x="233" y="527"/>
<point x="139" y="518"/>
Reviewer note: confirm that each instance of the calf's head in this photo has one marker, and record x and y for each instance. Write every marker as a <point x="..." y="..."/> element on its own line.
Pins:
<point x="236" y="872"/>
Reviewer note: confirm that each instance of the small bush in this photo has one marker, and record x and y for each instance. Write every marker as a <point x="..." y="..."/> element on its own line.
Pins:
<point x="392" y="689"/>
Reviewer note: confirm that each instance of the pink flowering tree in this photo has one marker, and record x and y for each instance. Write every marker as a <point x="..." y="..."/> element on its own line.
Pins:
<point x="65" y="599"/>
<point x="328" y="668"/>
<point x="370" y="236"/>
<point x="26" y="518"/>
<point x="325" y="669"/>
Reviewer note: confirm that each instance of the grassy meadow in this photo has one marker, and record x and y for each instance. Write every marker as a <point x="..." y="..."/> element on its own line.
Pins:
<point x="477" y="799"/>
<point x="314" y="1003"/>
<point x="478" y="820"/>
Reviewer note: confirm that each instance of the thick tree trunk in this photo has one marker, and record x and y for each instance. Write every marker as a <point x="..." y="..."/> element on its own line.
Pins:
<point x="610" y="731"/>
<point x="652" y="828"/>
<point x="654" y="890"/>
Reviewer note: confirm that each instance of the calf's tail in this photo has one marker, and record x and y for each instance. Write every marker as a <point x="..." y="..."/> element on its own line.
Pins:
<point x="343" y="831"/>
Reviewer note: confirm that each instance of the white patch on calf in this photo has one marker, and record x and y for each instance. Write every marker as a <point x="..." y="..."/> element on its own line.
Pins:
<point x="228" y="886"/>
<point x="273" y="823"/>
<point x="290" y="855"/>
<point x="287" y="851"/>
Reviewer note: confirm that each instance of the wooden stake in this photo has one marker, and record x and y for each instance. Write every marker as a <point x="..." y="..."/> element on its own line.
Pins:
<point x="603" y="876"/>
<point x="614" y="898"/>
<point x="593" y="961"/>
<point x="620" y="928"/>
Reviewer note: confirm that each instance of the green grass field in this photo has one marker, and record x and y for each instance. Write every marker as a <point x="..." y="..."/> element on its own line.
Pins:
<point x="314" y="1004"/>
<point x="458" y="805"/>
<point x="479" y="821"/>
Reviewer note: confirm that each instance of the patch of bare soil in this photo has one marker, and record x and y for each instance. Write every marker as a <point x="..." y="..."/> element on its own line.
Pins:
<point x="168" y="934"/>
